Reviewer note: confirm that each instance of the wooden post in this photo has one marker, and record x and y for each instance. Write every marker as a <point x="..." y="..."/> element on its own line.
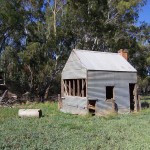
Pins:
<point x="62" y="88"/>
<point x="78" y="87"/>
<point x="74" y="88"/>
<point x="69" y="87"/>
<point x="86" y="87"/>
<point x="135" y="98"/>
<point x="82" y="88"/>
<point x="139" y="103"/>
<point x="59" y="102"/>
<point x="65" y="87"/>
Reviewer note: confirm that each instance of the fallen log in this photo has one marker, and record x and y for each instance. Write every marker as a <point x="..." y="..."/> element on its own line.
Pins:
<point x="3" y="96"/>
<point x="30" y="113"/>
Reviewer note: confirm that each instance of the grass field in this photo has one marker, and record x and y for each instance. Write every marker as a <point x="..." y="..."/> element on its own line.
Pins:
<point x="145" y="101"/>
<point x="60" y="131"/>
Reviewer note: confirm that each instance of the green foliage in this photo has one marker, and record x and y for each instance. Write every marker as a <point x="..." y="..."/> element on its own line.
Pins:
<point x="104" y="25"/>
<point x="56" y="130"/>
<point x="148" y="60"/>
<point x="37" y="36"/>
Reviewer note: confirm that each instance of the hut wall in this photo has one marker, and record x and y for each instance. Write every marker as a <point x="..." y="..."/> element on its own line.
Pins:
<point x="74" y="105"/>
<point x="74" y="68"/>
<point x="97" y="82"/>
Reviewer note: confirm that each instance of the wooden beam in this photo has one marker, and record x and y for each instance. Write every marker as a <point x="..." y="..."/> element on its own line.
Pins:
<point x="69" y="87"/>
<point x="135" y="98"/>
<point x="59" y="102"/>
<point x="139" y="103"/>
<point x="62" y="88"/>
<point x="78" y="87"/>
<point x="86" y="87"/>
<point x="65" y="86"/>
<point x="82" y="88"/>
<point x="74" y="88"/>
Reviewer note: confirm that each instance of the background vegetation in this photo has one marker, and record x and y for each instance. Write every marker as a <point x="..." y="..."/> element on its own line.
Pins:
<point x="56" y="130"/>
<point x="37" y="36"/>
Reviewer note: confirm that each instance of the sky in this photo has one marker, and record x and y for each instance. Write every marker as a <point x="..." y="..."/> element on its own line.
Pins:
<point x="144" y="14"/>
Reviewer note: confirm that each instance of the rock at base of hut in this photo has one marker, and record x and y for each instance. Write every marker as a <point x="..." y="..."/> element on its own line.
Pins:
<point x="30" y="113"/>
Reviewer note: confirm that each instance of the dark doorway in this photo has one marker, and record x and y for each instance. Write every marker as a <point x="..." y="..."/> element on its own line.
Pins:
<point x="131" y="92"/>
<point x="91" y="106"/>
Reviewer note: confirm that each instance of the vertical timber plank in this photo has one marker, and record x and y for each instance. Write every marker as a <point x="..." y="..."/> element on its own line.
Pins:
<point x="66" y="91"/>
<point x="74" y="88"/>
<point x="59" y="101"/>
<point x="82" y="88"/>
<point x="139" y="102"/>
<point x="135" y="98"/>
<point x="85" y="87"/>
<point x="86" y="80"/>
<point x="62" y="87"/>
<point x="69" y="87"/>
<point x="78" y="87"/>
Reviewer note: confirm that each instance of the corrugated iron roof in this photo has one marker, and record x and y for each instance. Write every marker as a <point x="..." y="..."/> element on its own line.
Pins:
<point x="94" y="60"/>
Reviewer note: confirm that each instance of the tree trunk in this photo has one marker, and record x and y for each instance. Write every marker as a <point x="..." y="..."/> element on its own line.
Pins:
<point x="54" y="13"/>
<point x="46" y="92"/>
<point x="31" y="77"/>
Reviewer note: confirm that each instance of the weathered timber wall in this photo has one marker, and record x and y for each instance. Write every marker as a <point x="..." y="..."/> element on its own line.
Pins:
<point x="97" y="82"/>
<point x="74" y="105"/>
<point x="74" y="68"/>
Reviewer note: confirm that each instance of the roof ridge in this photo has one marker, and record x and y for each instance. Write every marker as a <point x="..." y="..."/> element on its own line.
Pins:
<point x="93" y="51"/>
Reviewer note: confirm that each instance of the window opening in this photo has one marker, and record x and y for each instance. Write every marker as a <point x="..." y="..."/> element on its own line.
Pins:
<point x="74" y="87"/>
<point x="109" y="92"/>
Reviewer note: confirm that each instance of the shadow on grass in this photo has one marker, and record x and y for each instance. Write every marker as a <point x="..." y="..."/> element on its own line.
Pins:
<point x="145" y="105"/>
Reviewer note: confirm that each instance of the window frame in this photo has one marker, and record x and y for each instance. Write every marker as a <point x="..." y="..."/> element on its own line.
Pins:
<point x="74" y="87"/>
<point x="110" y="94"/>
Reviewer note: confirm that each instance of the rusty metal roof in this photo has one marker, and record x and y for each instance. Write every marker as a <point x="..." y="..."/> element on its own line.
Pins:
<point x="94" y="60"/>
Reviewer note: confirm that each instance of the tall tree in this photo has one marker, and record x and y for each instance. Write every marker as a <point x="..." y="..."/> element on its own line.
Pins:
<point x="103" y="25"/>
<point x="37" y="36"/>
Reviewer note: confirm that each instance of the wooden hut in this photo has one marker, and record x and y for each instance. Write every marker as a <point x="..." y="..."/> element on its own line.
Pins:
<point x="98" y="83"/>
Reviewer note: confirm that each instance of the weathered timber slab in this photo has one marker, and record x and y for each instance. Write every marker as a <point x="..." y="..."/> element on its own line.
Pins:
<point x="30" y="113"/>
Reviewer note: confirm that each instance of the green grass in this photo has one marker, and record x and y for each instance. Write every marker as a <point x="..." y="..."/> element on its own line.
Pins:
<point x="56" y="130"/>
<point x="145" y="101"/>
<point x="145" y="98"/>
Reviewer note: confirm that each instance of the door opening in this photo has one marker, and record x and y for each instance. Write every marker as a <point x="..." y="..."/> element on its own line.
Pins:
<point x="131" y="92"/>
<point x="91" y="106"/>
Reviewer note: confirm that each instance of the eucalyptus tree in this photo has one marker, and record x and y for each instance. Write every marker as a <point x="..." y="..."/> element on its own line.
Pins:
<point x="43" y="55"/>
<point x="36" y="36"/>
<point x="103" y="25"/>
